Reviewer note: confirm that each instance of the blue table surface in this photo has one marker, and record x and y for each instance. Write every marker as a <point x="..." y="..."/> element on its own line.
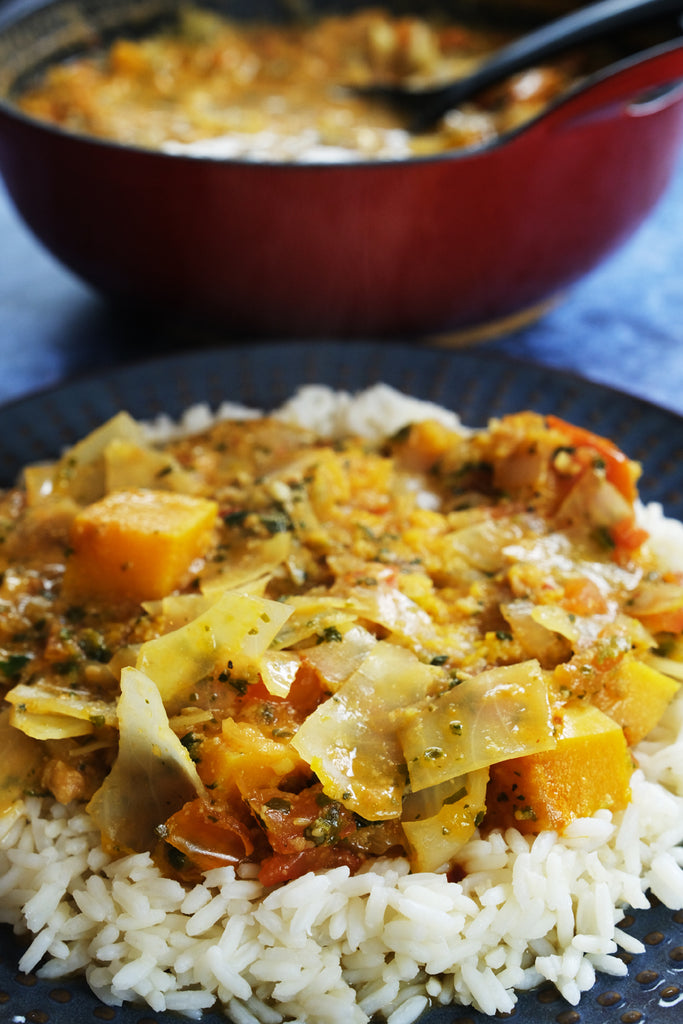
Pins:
<point x="621" y="326"/>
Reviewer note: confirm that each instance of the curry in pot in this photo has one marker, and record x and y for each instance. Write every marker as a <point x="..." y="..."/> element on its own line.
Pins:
<point x="221" y="88"/>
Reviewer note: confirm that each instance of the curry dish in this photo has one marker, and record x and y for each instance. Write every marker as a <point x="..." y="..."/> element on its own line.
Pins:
<point x="279" y="92"/>
<point x="256" y="645"/>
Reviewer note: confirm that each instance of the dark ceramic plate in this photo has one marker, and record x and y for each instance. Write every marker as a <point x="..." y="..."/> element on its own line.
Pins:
<point x="476" y="385"/>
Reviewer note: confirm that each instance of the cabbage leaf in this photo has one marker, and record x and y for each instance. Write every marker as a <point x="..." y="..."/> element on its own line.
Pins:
<point x="349" y="741"/>
<point x="236" y="626"/>
<point x="499" y="714"/>
<point x="21" y="762"/>
<point x="439" y="820"/>
<point x="153" y="775"/>
<point x="48" y="712"/>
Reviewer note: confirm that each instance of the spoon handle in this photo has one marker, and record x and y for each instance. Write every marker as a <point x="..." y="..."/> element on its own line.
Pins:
<point x="583" y="25"/>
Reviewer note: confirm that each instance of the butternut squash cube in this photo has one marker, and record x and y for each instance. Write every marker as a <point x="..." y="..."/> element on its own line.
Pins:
<point x="589" y="769"/>
<point x="636" y="696"/>
<point x="137" y="545"/>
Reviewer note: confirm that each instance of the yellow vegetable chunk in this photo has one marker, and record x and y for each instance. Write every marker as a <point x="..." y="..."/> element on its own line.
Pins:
<point x="243" y="756"/>
<point x="136" y="545"/>
<point x="81" y="472"/>
<point x="589" y="769"/>
<point x="636" y="696"/>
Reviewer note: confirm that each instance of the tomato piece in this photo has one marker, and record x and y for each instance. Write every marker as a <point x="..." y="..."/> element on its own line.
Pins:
<point x="298" y="821"/>
<point x="627" y="537"/>
<point x="670" y="621"/>
<point x="304" y="696"/>
<point x="619" y="469"/>
<point x="306" y="692"/>
<point x="284" y="867"/>
<point x="210" y="837"/>
<point x="583" y="597"/>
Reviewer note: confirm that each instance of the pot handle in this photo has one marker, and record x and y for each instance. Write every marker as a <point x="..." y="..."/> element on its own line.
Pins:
<point x="639" y="89"/>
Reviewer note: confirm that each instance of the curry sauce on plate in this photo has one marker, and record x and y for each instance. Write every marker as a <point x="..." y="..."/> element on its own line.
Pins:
<point x="258" y="645"/>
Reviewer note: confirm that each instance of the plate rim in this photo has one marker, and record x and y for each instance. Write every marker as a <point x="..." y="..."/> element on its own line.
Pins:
<point x="79" y="383"/>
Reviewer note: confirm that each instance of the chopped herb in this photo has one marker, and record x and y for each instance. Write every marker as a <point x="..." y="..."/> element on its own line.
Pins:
<point x="525" y="814"/>
<point x="278" y="803"/>
<point x="91" y="642"/>
<point x="459" y="794"/>
<point x="192" y="743"/>
<point x="176" y="858"/>
<point x="241" y="685"/>
<point x="235" y="518"/>
<point x="330" y="634"/>
<point x="325" y="830"/>
<point x="276" y="521"/>
<point x="433" y="753"/>
<point x="13" y="664"/>
<point x="64" y="668"/>
<point x="603" y="538"/>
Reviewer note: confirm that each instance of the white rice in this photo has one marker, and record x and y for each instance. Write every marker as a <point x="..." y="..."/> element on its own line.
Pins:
<point x="338" y="948"/>
<point x="305" y="147"/>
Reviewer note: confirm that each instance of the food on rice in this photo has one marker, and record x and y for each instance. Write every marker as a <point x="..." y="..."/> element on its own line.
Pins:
<point x="229" y="89"/>
<point x="337" y="710"/>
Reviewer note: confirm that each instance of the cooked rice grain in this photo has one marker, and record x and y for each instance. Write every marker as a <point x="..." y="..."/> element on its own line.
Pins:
<point x="334" y="947"/>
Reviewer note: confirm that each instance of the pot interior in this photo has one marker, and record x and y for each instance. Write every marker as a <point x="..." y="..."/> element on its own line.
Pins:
<point x="37" y="33"/>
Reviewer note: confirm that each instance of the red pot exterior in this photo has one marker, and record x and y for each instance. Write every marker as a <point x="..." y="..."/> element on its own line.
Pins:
<point x="396" y="249"/>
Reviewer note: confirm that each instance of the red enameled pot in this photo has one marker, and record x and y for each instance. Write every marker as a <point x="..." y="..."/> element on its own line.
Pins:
<point x="412" y="248"/>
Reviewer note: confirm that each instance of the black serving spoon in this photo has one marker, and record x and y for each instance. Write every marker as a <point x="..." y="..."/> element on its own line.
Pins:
<point x="423" y="108"/>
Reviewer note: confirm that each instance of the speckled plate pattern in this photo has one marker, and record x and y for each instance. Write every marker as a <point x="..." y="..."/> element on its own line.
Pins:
<point x="478" y="385"/>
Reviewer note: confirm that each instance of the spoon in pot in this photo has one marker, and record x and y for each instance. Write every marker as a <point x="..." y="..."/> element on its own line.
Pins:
<point x="423" y="108"/>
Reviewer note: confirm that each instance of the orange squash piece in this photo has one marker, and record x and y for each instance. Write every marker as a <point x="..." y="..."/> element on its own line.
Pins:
<point x="589" y="769"/>
<point x="137" y="545"/>
<point x="636" y="696"/>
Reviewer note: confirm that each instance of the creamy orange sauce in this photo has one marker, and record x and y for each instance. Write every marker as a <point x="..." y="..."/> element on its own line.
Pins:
<point x="361" y="647"/>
